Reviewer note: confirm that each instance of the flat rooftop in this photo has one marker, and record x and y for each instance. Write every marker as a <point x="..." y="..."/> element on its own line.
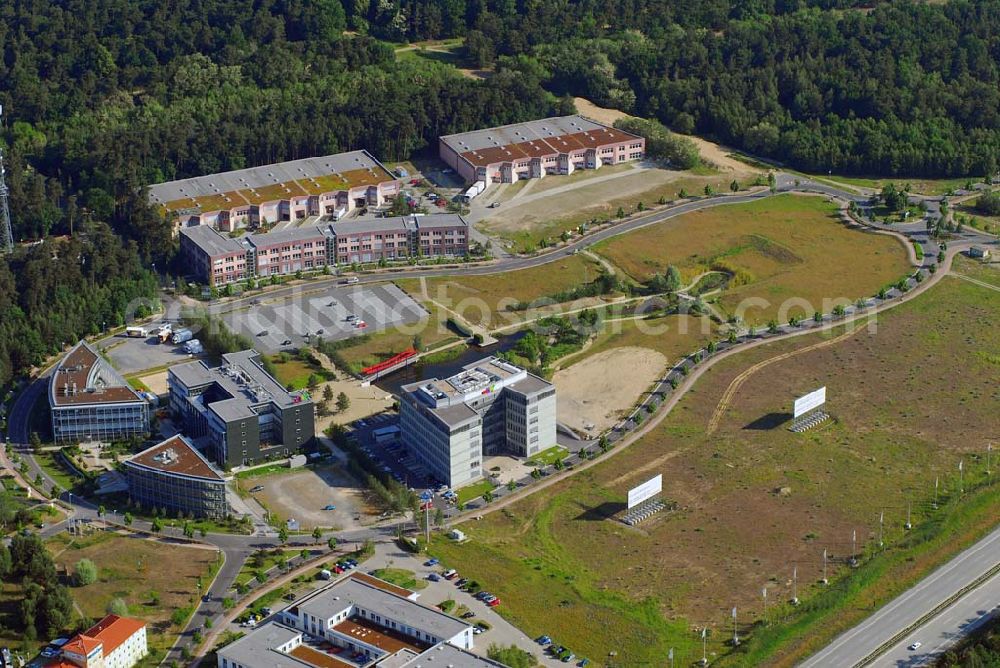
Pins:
<point x="376" y="635"/>
<point x="267" y="183"/>
<point x="444" y="655"/>
<point x="260" y="648"/>
<point x="214" y="243"/>
<point x="480" y="375"/>
<point x="243" y="379"/>
<point x="84" y="377"/>
<point x="330" y="601"/>
<point x="176" y="455"/>
<point x="319" y="659"/>
<point x="532" y="139"/>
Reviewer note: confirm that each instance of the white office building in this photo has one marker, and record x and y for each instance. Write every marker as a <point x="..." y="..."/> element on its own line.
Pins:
<point x="357" y="622"/>
<point x="491" y="407"/>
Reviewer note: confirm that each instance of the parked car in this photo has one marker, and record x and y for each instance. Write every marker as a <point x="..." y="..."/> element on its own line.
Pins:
<point x="286" y="342"/>
<point x="469" y="615"/>
<point x="477" y="630"/>
<point x="915" y="646"/>
<point x="256" y="488"/>
<point x="494" y="603"/>
<point x="450" y="574"/>
<point x="433" y="577"/>
<point x="569" y="657"/>
<point x="543" y="640"/>
<point x="431" y="562"/>
<point x="461" y="581"/>
<point x="584" y="663"/>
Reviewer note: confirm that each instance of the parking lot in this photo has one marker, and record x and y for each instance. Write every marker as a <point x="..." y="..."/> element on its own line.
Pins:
<point x="333" y="313"/>
<point x="132" y="354"/>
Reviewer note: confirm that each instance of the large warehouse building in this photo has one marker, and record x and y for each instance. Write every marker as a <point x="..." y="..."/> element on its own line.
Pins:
<point x="217" y="259"/>
<point x="531" y="150"/>
<point x="243" y="411"/>
<point x="90" y="400"/>
<point x="174" y="476"/>
<point x="490" y="407"/>
<point x="327" y="185"/>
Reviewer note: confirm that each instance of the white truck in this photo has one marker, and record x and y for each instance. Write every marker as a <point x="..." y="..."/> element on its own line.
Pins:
<point x="140" y="332"/>
<point x="194" y="347"/>
<point x="164" y="332"/>
<point x="182" y="336"/>
<point x="473" y="191"/>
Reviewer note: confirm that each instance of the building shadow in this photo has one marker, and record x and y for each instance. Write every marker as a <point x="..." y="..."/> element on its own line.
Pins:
<point x="769" y="421"/>
<point x="605" y="511"/>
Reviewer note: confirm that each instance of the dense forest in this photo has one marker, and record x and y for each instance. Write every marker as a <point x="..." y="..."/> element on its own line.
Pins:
<point x="54" y="293"/>
<point x="103" y="97"/>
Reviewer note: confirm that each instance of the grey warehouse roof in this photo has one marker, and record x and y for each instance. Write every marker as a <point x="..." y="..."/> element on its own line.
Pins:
<point x="516" y="133"/>
<point x="265" y="175"/>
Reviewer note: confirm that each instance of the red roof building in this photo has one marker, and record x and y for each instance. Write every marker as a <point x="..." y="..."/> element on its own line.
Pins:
<point x="114" y="642"/>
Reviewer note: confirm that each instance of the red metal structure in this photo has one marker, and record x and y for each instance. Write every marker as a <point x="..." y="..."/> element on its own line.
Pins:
<point x="389" y="363"/>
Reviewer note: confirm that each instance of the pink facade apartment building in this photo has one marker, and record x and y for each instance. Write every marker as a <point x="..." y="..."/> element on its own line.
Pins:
<point x="532" y="150"/>
<point x="331" y="185"/>
<point x="217" y="259"/>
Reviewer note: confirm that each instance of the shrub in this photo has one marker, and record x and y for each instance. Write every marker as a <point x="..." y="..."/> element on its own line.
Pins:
<point x="85" y="573"/>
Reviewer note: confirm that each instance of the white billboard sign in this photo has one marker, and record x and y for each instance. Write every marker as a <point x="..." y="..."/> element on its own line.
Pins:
<point x="807" y="402"/>
<point x="646" y="490"/>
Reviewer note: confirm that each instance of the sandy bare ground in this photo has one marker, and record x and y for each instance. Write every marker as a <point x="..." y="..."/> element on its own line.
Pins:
<point x="564" y="200"/>
<point x="156" y="382"/>
<point x="710" y="152"/>
<point x="302" y="496"/>
<point x="597" y="390"/>
<point x="365" y="401"/>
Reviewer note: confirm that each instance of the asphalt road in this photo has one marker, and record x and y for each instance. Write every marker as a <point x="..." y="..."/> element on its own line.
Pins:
<point x="891" y="622"/>
<point x="237" y="548"/>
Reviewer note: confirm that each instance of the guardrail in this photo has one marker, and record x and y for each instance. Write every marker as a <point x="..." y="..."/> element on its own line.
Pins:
<point x="938" y="609"/>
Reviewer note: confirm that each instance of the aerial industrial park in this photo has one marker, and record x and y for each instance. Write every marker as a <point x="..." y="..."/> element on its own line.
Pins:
<point x="589" y="379"/>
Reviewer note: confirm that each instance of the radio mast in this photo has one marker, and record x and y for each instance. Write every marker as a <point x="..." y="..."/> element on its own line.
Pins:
<point x="6" y="234"/>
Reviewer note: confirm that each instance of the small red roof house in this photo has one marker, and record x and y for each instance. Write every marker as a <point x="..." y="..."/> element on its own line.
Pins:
<point x="114" y="642"/>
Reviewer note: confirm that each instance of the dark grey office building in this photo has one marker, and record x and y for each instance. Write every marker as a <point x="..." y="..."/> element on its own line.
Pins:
<point x="245" y="414"/>
<point x="175" y="477"/>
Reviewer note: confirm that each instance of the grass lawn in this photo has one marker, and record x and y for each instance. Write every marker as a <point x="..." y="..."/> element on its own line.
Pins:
<point x="918" y="184"/>
<point x="475" y="490"/>
<point x="546" y="457"/>
<point x="986" y="272"/>
<point x="133" y="569"/>
<point x="53" y="464"/>
<point x="651" y="588"/>
<point x="294" y="372"/>
<point x="401" y="578"/>
<point x="266" y="561"/>
<point x="432" y="332"/>
<point x="790" y="251"/>
<point x="482" y="300"/>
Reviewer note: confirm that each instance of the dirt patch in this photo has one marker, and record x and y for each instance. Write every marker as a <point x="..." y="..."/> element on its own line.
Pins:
<point x="595" y="392"/>
<point x="365" y="401"/>
<point x="716" y="154"/>
<point x="156" y="382"/>
<point x="303" y="495"/>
